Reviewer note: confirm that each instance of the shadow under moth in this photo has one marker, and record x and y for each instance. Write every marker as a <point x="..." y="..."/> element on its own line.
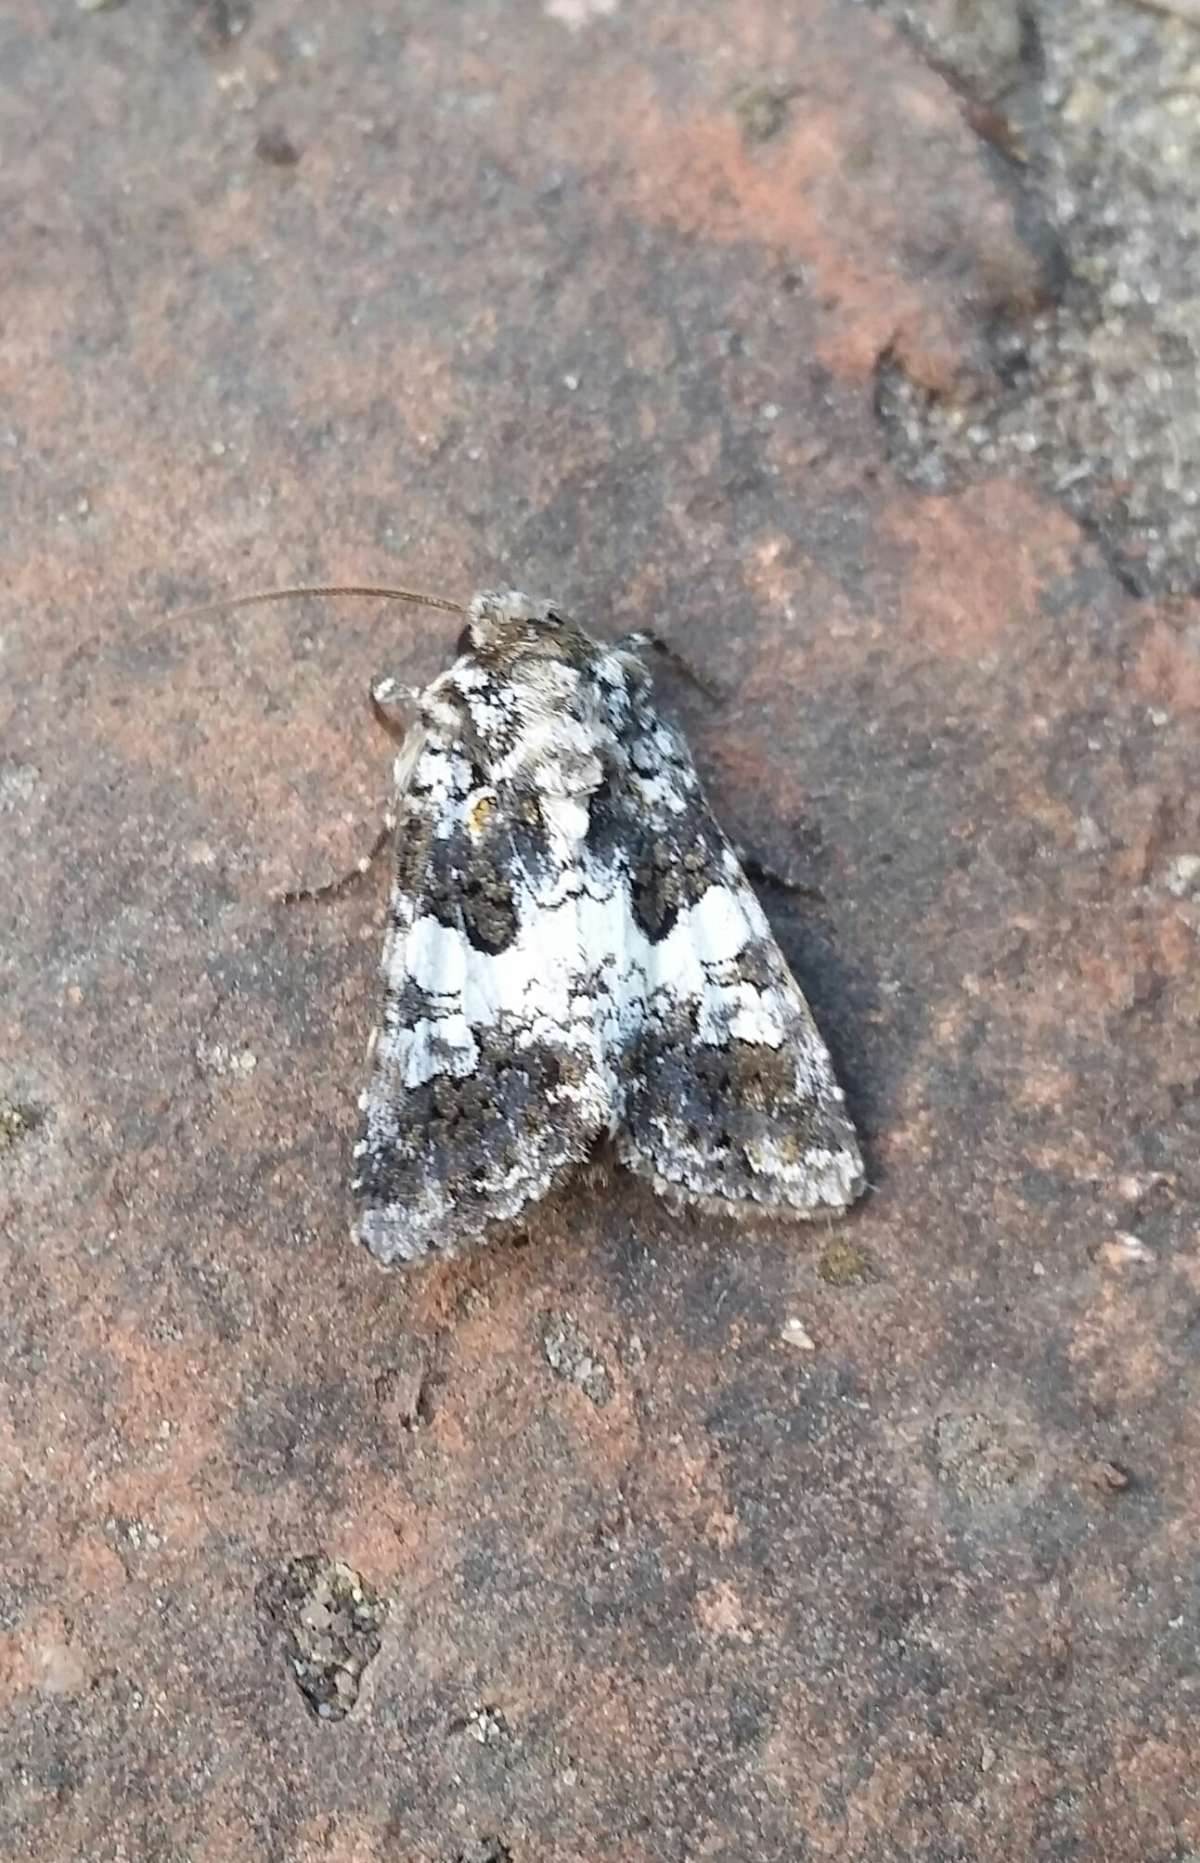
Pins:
<point x="574" y="953"/>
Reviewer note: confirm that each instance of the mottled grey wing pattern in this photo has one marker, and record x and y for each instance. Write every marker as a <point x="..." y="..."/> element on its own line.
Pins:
<point x="575" y="950"/>
<point x="730" y="1095"/>
<point x="471" y="1110"/>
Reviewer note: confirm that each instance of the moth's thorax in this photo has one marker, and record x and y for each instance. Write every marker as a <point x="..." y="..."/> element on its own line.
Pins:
<point x="506" y="628"/>
<point x="498" y="607"/>
<point x="532" y="697"/>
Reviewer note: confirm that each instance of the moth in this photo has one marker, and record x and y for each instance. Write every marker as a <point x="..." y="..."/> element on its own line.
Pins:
<point x="574" y="953"/>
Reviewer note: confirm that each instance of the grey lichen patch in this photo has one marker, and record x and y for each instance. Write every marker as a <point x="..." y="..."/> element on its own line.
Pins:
<point x="219" y="1058"/>
<point x="330" y="1623"/>
<point x="484" y="1724"/>
<point x="488" y="1726"/>
<point x="487" y="1850"/>
<point x="981" y="1457"/>
<point x="131" y="1537"/>
<point x="16" y="1123"/>
<point x="632" y="1352"/>
<point x="762" y="111"/>
<point x="1183" y="876"/>
<point x="570" y="1357"/>
<point x="18" y="784"/>
<point x="843" y="1264"/>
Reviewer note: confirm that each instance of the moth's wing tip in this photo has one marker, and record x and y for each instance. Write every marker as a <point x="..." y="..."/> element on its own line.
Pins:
<point x="834" y="1182"/>
<point x="839" y="1177"/>
<point x="844" y="1176"/>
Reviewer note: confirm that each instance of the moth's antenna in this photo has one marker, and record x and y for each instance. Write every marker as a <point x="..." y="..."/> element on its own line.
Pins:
<point x="284" y="595"/>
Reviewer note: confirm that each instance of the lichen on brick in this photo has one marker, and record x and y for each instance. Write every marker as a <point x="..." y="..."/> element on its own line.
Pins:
<point x="843" y="1264"/>
<point x="16" y="1123"/>
<point x="330" y="1623"/>
<point x="571" y="1358"/>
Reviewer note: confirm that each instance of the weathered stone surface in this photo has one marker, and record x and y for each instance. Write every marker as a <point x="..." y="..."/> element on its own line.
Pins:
<point x="1092" y="394"/>
<point x="539" y="302"/>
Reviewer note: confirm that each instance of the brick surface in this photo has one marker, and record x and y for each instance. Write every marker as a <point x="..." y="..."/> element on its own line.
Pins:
<point x="891" y="1563"/>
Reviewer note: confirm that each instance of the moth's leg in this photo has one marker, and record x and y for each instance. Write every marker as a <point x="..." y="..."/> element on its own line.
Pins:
<point x="329" y="888"/>
<point x="383" y="693"/>
<point x="646" y="637"/>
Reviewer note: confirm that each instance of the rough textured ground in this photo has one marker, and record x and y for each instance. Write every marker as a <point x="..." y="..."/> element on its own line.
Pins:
<point x="1093" y="109"/>
<point x="675" y="1541"/>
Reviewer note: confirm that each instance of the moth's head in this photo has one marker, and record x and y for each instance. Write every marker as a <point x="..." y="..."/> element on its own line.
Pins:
<point x="500" y="624"/>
